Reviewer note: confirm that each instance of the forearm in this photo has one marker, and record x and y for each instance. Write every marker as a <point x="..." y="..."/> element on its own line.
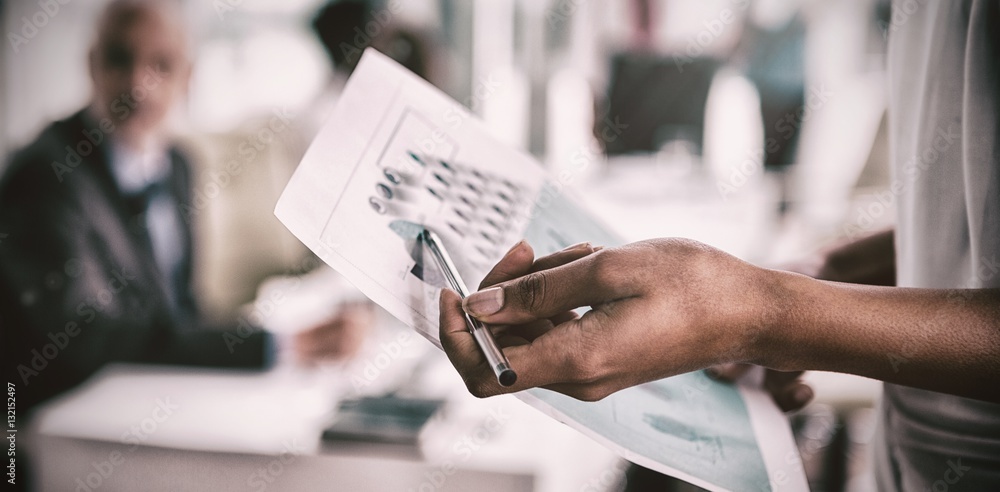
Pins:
<point x="940" y="340"/>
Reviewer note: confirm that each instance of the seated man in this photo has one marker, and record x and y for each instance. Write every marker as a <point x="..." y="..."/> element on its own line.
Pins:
<point x="95" y="263"/>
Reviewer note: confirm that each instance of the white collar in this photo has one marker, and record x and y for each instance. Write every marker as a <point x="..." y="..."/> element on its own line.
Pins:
<point x="134" y="170"/>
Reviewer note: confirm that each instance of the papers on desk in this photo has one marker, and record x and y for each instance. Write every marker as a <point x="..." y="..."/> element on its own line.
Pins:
<point x="194" y="408"/>
<point x="396" y="151"/>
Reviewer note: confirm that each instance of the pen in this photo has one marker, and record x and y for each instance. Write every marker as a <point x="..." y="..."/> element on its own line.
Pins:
<point x="484" y="338"/>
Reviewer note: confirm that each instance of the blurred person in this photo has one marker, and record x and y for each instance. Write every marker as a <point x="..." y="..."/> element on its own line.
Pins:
<point x="771" y="52"/>
<point x="668" y="306"/>
<point x="345" y="28"/>
<point x="96" y="260"/>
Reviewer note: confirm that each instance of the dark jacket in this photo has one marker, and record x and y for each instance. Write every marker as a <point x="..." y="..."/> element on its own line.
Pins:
<point x="78" y="283"/>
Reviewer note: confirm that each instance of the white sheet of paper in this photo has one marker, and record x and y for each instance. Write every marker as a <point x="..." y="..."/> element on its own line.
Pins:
<point x="397" y="151"/>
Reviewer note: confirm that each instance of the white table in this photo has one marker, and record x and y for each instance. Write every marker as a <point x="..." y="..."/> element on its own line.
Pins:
<point x="163" y="428"/>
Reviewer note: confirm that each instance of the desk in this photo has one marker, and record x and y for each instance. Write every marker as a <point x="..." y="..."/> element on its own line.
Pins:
<point x="163" y="428"/>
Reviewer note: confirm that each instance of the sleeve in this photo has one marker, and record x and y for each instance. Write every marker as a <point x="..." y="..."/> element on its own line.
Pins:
<point x="72" y="297"/>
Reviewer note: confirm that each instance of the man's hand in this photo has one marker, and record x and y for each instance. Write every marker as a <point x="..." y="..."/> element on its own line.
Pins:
<point x="785" y="387"/>
<point x="337" y="338"/>
<point x="659" y="308"/>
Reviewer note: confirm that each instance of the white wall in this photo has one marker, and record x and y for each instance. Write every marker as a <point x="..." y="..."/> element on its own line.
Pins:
<point x="46" y="77"/>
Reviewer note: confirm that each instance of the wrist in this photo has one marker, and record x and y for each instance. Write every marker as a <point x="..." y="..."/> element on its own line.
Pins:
<point x="788" y="299"/>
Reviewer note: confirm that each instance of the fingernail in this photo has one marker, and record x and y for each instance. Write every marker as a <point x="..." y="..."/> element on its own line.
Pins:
<point x="598" y="248"/>
<point x="514" y="248"/>
<point x="484" y="302"/>
<point x="577" y="247"/>
<point x="802" y="394"/>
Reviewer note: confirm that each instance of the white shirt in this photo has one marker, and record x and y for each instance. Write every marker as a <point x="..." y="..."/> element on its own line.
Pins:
<point x="134" y="171"/>
<point x="944" y="109"/>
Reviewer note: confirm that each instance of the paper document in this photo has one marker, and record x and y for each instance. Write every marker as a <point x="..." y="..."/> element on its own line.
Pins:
<point x="397" y="154"/>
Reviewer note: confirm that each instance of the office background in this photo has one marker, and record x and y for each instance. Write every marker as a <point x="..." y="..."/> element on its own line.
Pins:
<point x="551" y="77"/>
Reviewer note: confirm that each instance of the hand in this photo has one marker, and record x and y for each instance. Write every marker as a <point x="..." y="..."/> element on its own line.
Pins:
<point x="519" y="261"/>
<point x="869" y="261"/>
<point x="659" y="308"/>
<point x="339" y="337"/>
<point x="785" y="387"/>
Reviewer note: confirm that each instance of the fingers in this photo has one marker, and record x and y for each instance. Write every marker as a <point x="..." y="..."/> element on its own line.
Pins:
<point x="538" y="363"/>
<point x="515" y="263"/>
<point x="545" y="293"/>
<point x="541" y="362"/>
<point x="787" y="389"/>
<point x="456" y="339"/>
<point x="518" y="262"/>
<point x="521" y="342"/>
<point x="793" y="397"/>
<point x="527" y="331"/>
<point x="559" y="258"/>
<point x="780" y="379"/>
<point x="464" y="353"/>
<point x="728" y="372"/>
